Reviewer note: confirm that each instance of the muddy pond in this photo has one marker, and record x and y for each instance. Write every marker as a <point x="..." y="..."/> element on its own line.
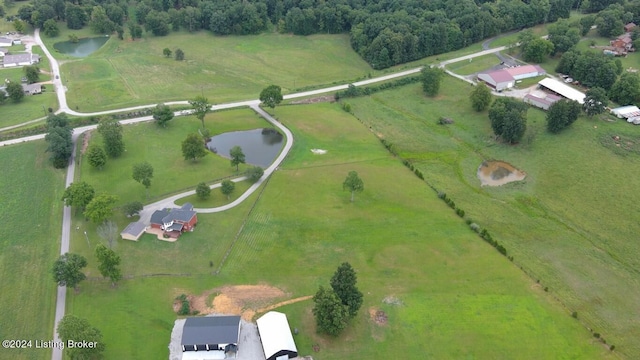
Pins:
<point x="496" y="173"/>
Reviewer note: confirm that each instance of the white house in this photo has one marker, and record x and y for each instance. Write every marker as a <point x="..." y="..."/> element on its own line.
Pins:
<point x="20" y="60"/>
<point x="276" y="338"/>
<point x="5" y="42"/>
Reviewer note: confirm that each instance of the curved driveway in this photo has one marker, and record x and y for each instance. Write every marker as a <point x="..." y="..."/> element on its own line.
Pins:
<point x="254" y="104"/>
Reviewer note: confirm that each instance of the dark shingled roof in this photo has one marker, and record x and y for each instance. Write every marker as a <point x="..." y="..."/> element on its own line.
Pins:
<point x="179" y="215"/>
<point x="158" y="215"/>
<point x="134" y="228"/>
<point x="211" y="330"/>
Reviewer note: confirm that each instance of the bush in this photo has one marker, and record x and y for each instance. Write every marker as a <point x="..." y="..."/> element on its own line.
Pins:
<point x="185" y="309"/>
<point x="468" y="221"/>
<point x="612" y="347"/>
<point x="475" y="227"/>
<point x="460" y="212"/>
<point x="346" y="107"/>
<point x="442" y="195"/>
<point x="574" y="314"/>
<point x="203" y="191"/>
<point x="596" y="335"/>
<point x="419" y="174"/>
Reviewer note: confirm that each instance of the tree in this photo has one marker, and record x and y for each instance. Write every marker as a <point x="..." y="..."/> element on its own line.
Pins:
<point x="72" y="328"/>
<point x="508" y="119"/>
<point x="109" y="262"/>
<point x="255" y="173"/>
<point x="166" y="52"/>
<point x="96" y="156"/>
<point x="19" y="26"/>
<point x="143" y="173"/>
<point x="595" y="101"/>
<point x="60" y="145"/>
<point x="50" y="28"/>
<point x="135" y="30"/>
<point x="179" y="55"/>
<point x="237" y="156"/>
<point x="14" y="89"/>
<point x="78" y="195"/>
<point x="271" y="96"/>
<point x="480" y="97"/>
<point x="75" y="15"/>
<point x="32" y="73"/>
<point x="162" y="114"/>
<point x="563" y="35"/>
<point x="132" y="208"/>
<point x="203" y="191"/>
<point x="111" y="132"/>
<point x="561" y="114"/>
<point x="193" y="147"/>
<point x="67" y="270"/>
<point x="537" y="50"/>
<point x="157" y="22"/>
<point x="100" y="22"/>
<point x="431" y="78"/>
<point x="343" y="284"/>
<point x="100" y="208"/>
<point x="227" y="187"/>
<point x="108" y="231"/>
<point x="200" y="106"/>
<point x="626" y="91"/>
<point x="331" y="315"/>
<point x="353" y="183"/>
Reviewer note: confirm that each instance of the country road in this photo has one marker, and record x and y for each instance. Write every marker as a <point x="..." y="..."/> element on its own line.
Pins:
<point x="253" y="104"/>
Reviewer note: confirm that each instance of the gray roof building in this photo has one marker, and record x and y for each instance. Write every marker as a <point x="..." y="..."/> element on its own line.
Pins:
<point x="211" y="333"/>
<point x="133" y="231"/>
<point x="20" y="59"/>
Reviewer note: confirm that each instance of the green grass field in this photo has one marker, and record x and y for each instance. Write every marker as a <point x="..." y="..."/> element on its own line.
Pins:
<point x="126" y="73"/>
<point x="162" y="148"/>
<point x="570" y="223"/>
<point x="475" y="65"/>
<point x="30" y="203"/>
<point x="459" y="295"/>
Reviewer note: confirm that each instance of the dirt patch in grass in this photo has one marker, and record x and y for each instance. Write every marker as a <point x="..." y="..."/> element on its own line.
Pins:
<point x="378" y="316"/>
<point x="319" y="99"/>
<point x="85" y="141"/>
<point x="621" y="144"/>
<point x="243" y="300"/>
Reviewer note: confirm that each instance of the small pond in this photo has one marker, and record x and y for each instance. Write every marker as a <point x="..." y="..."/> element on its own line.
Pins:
<point x="496" y="173"/>
<point x="82" y="48"/>
<point x="260" y="146"/>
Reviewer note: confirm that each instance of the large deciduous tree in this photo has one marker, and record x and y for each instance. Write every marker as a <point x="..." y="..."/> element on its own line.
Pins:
<point x="353" y="183"/>
<point x="162" y="114"/>
<point x="193" y="147"/>
<point x="564" y="35"/>
<point x="78" y="195"/>
<point x="100" y="208"/>
<point x="15" y="91"/>
<point x="72" y="328"/>
<point x="431" y="79"/>
<point x="271" y="96"/>
<point x="109" y="263"/>
<point x="111" y="132"/>
<point x="96" y="156"/>
<point x="626" y="91"/>
<point x="480" y="97"/>
<point x="227" y="188"/>
<point x="143" y="173"/>
<point x="59" y="139"/>
<point x="255" y="173"/>
<point x="132" y="208"/>
<point x="561" y="114"/>
<point x="32" y="73"/>
<point x="537" y="50"/>
<point x="50" y="28"/>
<point x="508" y="119"/>
<point x="330" y="313"/>
<point x="343" y="283"/>
<point x="67" y="270"/>
<point x="237" y="156"/>
<point x="595" y="101"/>
<point x="201" y="107"/>
<point x="203" y="191"/>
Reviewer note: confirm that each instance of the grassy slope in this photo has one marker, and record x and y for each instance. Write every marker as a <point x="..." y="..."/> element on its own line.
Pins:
<point x="463" y="298"/>
<point x="475" y="65"/>
<point x="30" y="204"/>
<point x="162" y="148"/>
<point x="125" y="73"/>
<point x="570" y="223"/>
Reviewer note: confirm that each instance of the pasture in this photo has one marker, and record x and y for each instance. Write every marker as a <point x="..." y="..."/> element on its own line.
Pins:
<point x="570" y="224"/>
<point x="30" y="204"/>
<point x="458" y="296"/>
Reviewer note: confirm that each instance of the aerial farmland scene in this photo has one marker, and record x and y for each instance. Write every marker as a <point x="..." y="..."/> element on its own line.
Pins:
<point x="320" y="179"/>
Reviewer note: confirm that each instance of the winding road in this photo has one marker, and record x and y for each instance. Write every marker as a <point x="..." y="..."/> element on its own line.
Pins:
<point x="169" y="202"/>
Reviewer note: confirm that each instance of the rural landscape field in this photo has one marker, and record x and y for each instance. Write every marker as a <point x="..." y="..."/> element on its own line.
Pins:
<point x="545" y="267"/>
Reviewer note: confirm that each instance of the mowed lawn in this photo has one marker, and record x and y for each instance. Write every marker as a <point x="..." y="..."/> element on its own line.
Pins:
<point x="30" y="203"/>
<point x="162" y="148"/>
<point x="572" y="223"/>
<point x="459" y="297"/>
<point x="125" y="73"/>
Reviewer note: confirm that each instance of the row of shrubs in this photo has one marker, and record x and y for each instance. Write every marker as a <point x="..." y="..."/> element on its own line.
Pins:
<point x="416" y="171"/>
<point x="353" y="91"/>
<point x="42" y="128"/>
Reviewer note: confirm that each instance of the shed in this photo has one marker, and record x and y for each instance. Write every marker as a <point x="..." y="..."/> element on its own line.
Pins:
<point x="506" y="78"/>
<point x="210" y="337"/>
<point x="5" y="42"/>
<point x="276" y="338"/>
<point x="544" y="102"/>
<point x="562" y="89"/>
<point x="133" y="231"/>
<point x="20" y="59"/>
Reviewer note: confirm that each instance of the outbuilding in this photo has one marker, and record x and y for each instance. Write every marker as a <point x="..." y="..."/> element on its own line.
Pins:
<point x="543" y="101"/>
<point x="562" y="89"/>
<point x="133" y="231"/>
<point x="276" y="338"/>
<point x="210" y="337"/>
<point x="5" y="42"/>
<point x="631" y="113"/>
<point x="506" y="78"/>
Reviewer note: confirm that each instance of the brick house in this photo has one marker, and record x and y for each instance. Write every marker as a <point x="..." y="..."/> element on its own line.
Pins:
<point x="175" y="221"/>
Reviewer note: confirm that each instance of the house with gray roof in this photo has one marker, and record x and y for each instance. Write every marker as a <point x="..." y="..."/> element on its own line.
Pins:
<point x="23" y="59"/>
<point x="32" y="89"/>
<point x="210" y="337"/>
<point x="175" y="221"/>
<point x="5" y="42"/>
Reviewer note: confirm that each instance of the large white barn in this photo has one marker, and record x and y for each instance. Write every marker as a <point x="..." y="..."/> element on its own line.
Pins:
<point x="562" y="89"/>
<point x="276" y="338"/>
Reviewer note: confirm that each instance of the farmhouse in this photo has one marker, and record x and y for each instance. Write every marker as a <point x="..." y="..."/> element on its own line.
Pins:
<point x="541" y="100"/>
<point x="5" y="42"/>
<point x="175" y="221"/>
<point x="562" y="89"/>
<point x="210" y="337"/>
<point x="20" y="60"/>
<point x="506" y="78"/>
<point x="276" y="338"/>
<point x="631" y="113"/>
<point x="133" y="231"/>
